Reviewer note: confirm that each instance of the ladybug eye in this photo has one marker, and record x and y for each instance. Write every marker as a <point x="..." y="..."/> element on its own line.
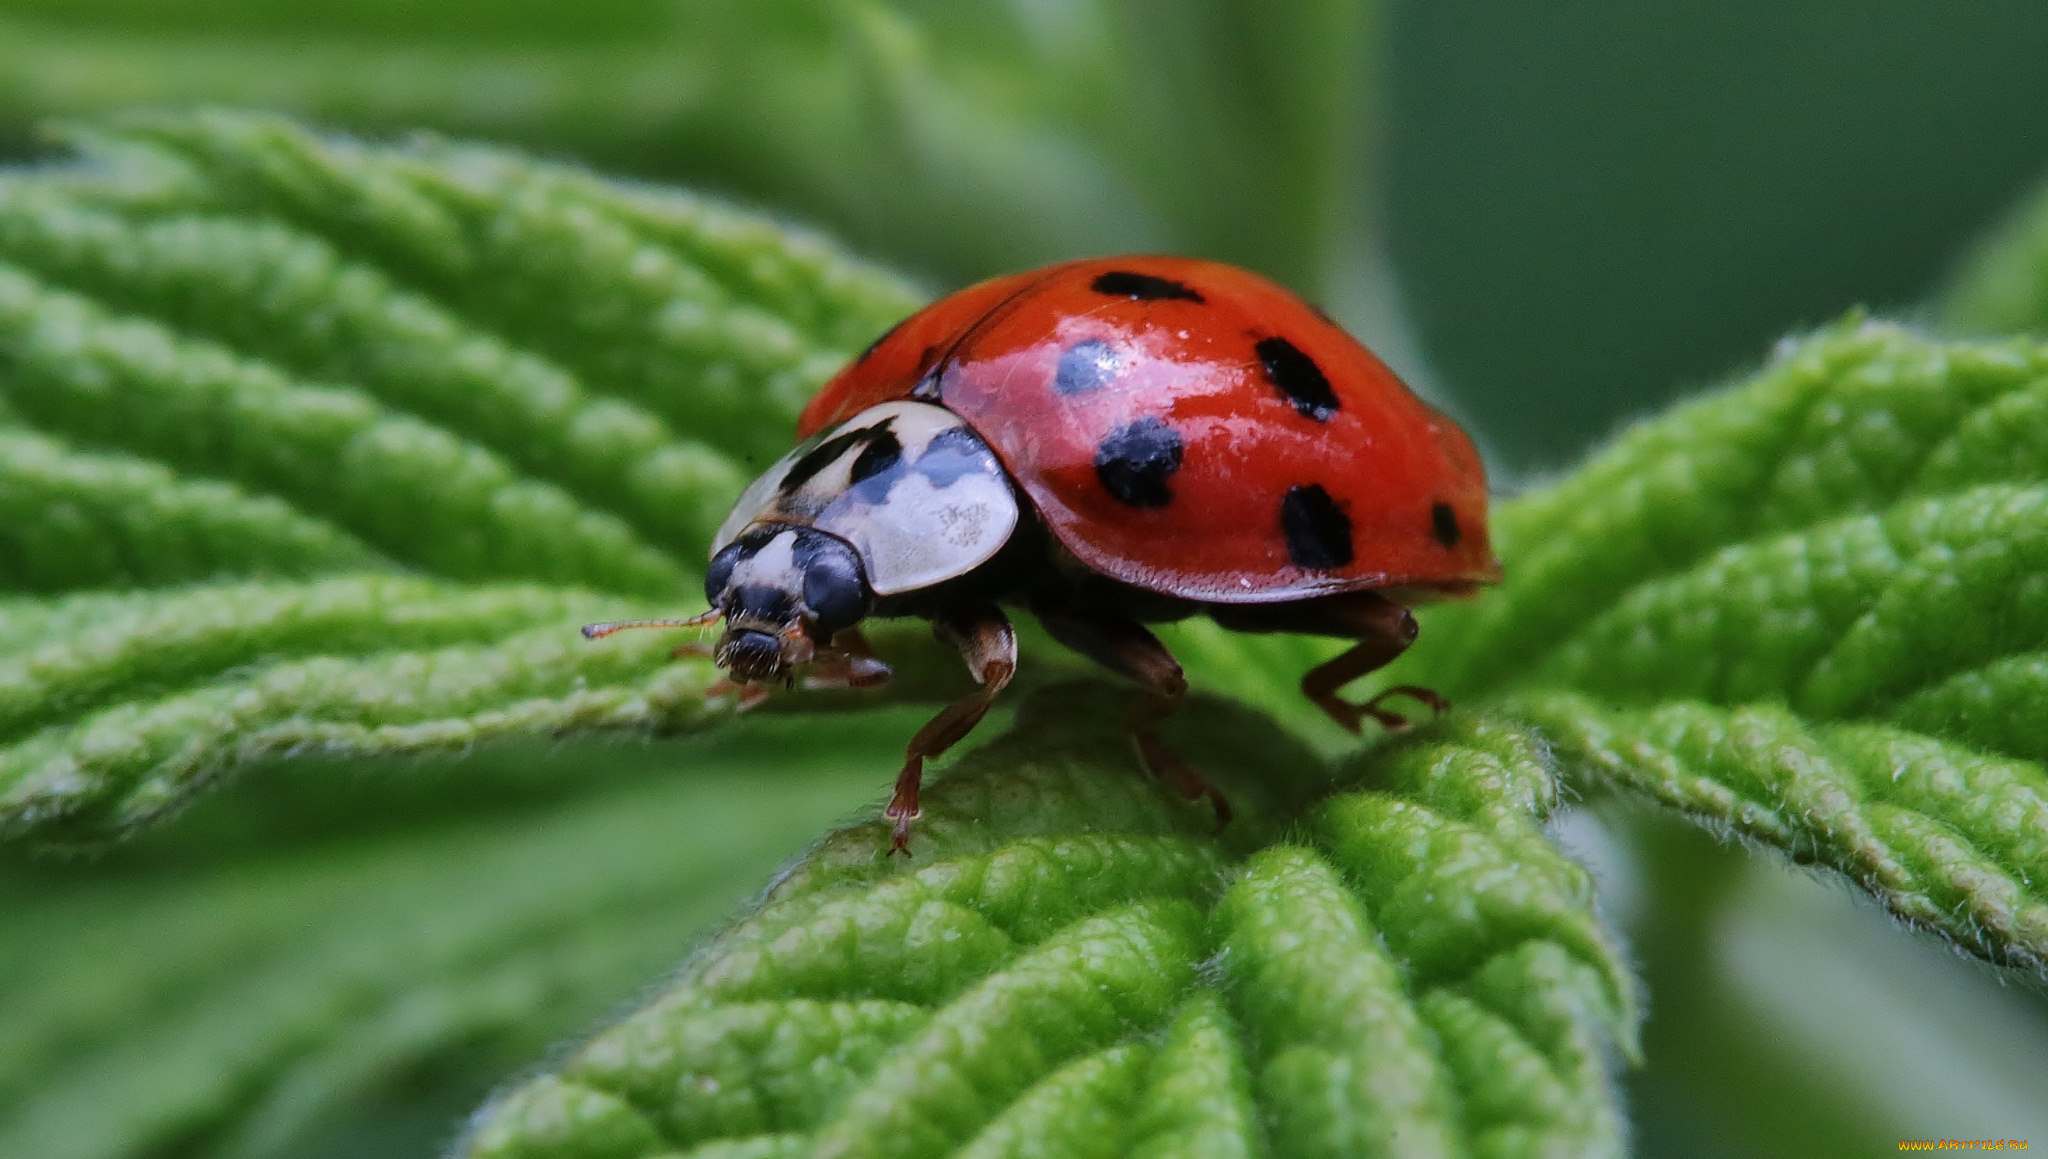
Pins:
<point x="720" y="573"/>
<point x="834" y="589"/>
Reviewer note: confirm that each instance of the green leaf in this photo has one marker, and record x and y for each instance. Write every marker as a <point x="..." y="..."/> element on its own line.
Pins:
<point x="2001" y="285"/>
<point x="326" y="448"/>
<point x="1749" y="530"/>
<point x="1946" y="837"/>
<point x="1075" y="956"/>
<point x="1811" y="610"/>
<point x="1738" y="595"/>
<point x="236" y="350"/>
<point x="1084" y="126"/>
<point x="331" y="948"/>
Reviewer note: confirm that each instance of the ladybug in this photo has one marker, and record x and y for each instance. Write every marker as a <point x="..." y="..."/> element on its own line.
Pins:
<point x="1106" y="443"/>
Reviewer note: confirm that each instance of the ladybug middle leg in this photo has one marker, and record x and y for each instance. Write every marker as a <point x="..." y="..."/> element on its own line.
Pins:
<point x="989" y="645"/>
<point x="1127" y="648"/>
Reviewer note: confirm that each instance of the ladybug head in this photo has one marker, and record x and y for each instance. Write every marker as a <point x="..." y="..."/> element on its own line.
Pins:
<point x="784" y="590"/>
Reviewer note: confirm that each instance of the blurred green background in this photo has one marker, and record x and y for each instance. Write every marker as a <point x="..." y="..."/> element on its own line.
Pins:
<point x="1552" y="217"/>
<point x="1555" y="215"/>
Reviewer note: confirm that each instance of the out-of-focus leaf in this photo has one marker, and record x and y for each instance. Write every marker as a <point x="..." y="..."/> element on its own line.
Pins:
<point x="324" y="941"/>
<point x="911" y="127"/>
<point x="2001" y="286"/>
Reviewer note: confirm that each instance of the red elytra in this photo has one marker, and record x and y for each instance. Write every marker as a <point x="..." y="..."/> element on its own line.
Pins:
<point x="1292" y="444"/>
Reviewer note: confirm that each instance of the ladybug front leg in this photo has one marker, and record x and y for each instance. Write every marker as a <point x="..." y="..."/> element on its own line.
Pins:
<point x="848" y="663"/>
<point x="1127" y="648"/>
<point x="989" y="645"/>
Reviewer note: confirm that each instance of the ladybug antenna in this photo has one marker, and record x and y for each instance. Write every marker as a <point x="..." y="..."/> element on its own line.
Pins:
<point x="600" y="631"/>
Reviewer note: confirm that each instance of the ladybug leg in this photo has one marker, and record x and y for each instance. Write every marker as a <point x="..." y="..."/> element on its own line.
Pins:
<point x="1127" y="648"/>
<point x="989" y="646"/>
<point x="1383" y="629"/>
<point x="745" y="696"/>
<point x="1428" y="696"/>
<point x="848" y="663"/>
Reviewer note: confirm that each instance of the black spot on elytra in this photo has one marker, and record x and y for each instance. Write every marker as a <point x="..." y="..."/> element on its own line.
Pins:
<point x="1085" y="366"/>
<point x="1136" y="460"/>
<point x="1444" y="522"/>
<point x="1298" y="378"/>
<point x="1142" y="287"/>
<point x="952" y="453"/>
<point x="1317" y="530"/>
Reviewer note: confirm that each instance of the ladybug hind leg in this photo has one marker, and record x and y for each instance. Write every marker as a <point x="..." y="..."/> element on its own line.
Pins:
<point x="1383" y="630"/>
<point x="989" y="646"/>
<point x="1127" y="648"/>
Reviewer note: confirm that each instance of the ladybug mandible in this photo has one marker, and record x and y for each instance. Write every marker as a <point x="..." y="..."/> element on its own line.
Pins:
<point x="1106" y="442"/>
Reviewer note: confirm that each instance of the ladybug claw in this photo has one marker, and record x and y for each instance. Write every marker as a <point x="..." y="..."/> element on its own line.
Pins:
<point x="899" y="836"/>
<point x="1391" y="721"/>
<point x="903" y="806"/>
<point x="1394" y="721"/>
<point x="1353" y="716"/>
<point x="745" y="696"/>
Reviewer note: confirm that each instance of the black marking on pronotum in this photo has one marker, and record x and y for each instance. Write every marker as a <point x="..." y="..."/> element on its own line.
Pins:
<point x="1085" y="366"/>
<point x="1298" y="378"/>
<point x="828" y="452"/>
<point x="874" y="469"/>
<point x="952" y="453"/>
<point x="1136" y="460"/>
<point x="1142" y="287"/>
<point x="1444" y="522"/>
<point x="1317" y="530"/>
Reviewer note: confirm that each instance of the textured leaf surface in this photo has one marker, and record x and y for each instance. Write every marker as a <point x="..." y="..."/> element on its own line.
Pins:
<point x="1076" y="956"/>
<point x="1766" y="608"/>
<point x="1947" y="837"/>
<point x="1812" y="610"/>
<point x="243" y="357"/>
